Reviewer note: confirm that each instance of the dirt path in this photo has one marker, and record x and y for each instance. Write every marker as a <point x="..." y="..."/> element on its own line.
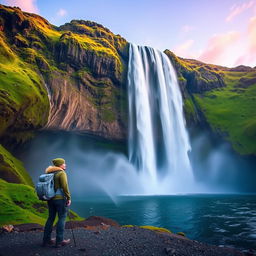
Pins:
<point x="114" y="241"/>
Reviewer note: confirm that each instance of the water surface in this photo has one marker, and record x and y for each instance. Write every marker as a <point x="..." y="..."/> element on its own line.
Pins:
<point x="224" y="220"/>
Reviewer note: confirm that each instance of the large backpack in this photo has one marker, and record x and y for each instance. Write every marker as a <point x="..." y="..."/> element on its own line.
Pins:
<point x="45" y="187"/>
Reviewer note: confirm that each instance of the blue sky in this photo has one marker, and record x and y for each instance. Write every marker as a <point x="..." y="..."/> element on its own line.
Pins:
<point x="218" y="32"/>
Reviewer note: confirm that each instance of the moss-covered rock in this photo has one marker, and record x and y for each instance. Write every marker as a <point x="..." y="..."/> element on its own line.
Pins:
<point x="24" y="103"/>
<point x="12" y="170"/>
<point x="81" y="56"/>
<point x="195" y="76"/>
<point x="158" y="229"/>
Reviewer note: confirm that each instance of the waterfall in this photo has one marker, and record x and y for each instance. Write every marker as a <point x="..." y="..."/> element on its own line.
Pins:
<point x="158" y="141"/>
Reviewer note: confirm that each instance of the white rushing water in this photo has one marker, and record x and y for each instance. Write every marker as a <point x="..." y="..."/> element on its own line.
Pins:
<point x="158" y="161"/>
<point x="158" y="140"/>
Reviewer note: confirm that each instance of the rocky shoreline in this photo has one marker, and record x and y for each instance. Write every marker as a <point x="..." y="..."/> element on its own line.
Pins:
<point x="99" y="236"/>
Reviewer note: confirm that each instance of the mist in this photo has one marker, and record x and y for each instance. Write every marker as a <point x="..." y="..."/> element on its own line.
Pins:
<point x="95" y="169"/>
<point x="219" y="167"/>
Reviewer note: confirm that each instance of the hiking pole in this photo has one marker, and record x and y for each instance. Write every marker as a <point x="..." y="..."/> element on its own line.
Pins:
<point x="69" y="214"/>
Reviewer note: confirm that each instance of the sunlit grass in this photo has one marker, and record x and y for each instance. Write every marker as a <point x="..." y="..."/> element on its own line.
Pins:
<point x="231" y="111"/>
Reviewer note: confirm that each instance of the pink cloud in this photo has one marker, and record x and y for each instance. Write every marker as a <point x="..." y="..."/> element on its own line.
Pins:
<point x="218" y="46"/>
<point x="228" y="49"/>
<point x="237" y="9"/>
<point x="252" y="33"/>
<point x="25" y="5"/>
<point x="240" y="60"/>
<point x="249" y="55"/>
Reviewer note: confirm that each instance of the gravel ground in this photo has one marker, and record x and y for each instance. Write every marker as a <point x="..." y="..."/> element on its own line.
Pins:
<point x="110" y="242"/>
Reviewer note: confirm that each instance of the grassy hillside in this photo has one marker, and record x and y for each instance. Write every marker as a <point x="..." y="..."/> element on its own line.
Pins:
<point x="19" y="204"/>
<point x="24" y="102"/>
<point x="18" y="200"/>
<point x="223" y="97"/>
<point x="12" y="170"/>
<point x="231" y="111"/>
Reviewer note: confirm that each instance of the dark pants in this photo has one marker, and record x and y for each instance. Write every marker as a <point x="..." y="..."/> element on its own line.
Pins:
<point x="56" y="206"/>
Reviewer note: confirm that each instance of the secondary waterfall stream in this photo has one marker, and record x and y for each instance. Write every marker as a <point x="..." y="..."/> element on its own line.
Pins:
<point x="158" y="140"/>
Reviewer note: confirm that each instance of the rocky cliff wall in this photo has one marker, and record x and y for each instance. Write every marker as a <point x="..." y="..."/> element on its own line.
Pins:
<point x="80" y="65"/>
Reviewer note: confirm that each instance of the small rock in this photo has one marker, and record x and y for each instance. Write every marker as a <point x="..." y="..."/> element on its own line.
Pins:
<point x="167" y="250"/>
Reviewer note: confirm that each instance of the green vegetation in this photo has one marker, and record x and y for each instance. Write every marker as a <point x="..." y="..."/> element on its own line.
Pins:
<point x="189" y="108"/>
<point x="33" y="56"/>
<point x="150" y="228"/>
<point x="230" y="110"/>
<point x="101" y="47"/>
<point x="156" y="229"/>
<point x="226" y="97"/>
<point x="19" y="204"/>
<point x="23" y="98"/>
<point x="13" y="169"/>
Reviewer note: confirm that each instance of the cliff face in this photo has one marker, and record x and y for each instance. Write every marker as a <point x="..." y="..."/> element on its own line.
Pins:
<point x="78" y="106"/>
<point x="80" y="65"/>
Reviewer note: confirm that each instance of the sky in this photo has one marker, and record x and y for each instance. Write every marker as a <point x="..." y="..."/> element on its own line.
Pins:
<point x="221" y="32"/>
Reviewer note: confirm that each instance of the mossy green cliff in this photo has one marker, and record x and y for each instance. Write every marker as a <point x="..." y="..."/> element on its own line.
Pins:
<point x="80" y="65"/>
<point x="222" y="98"/>
<point x="12" y="170"/>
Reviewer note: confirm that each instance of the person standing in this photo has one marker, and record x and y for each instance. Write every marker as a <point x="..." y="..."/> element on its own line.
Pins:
<point x="58" y="204"/>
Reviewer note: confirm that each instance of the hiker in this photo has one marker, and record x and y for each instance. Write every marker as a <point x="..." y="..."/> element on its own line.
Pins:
<point x="58" y="204"/>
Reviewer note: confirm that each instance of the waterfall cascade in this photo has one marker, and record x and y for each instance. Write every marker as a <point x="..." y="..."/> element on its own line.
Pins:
<point x="158" y="140"/>
<point x="158" y="145"/>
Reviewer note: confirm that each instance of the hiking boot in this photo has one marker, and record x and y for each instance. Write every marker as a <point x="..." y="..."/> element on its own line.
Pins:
<point x="63" y="243"/>
<point x="50" y="242"/>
